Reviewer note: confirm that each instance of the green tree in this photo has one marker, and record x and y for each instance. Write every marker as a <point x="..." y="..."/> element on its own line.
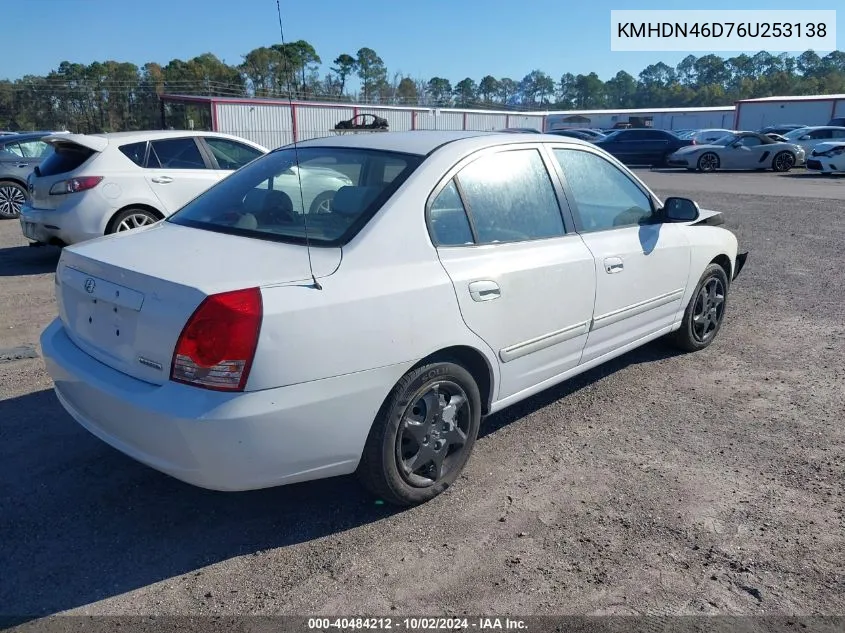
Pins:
<point x="440" y="91"/>
<point x="488" y="88"/>
<point x="344" y="66"/>
<point x="371" y="71"/>
<point x="465" y="92"/>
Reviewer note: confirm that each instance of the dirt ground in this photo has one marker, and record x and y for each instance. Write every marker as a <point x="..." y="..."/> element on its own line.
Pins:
<point x="659" y="484"/>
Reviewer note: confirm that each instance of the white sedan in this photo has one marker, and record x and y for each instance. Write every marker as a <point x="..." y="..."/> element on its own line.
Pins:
<point x="459" y="274"/>
<point x="827" y="158"/>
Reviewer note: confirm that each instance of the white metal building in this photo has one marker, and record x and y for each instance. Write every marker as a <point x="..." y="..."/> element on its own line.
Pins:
<point x="659" y="118"/>
<point x="753" y="114"/>
<point x="273" y="122"/>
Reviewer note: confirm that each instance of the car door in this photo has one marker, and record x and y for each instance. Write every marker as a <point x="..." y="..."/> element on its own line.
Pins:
<point x="524" y="280"/>
<point x="655" y="146"/>
<point x="746" y="153"/>
<point x="641" y="265"/>
<point x="177" y="171"/>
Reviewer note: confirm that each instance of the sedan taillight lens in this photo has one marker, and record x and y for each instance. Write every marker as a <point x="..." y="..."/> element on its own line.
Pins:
<point x="74" y="185"/>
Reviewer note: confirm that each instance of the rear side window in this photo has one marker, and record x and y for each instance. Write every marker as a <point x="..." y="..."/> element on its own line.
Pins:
<point x="229" y="154"/>
<point x="448" y="219"/>
<point x="66" y="157"/>
<point x="136" y="152"/>
<point x="511" y="198"/>
<point x="175" y="153"/>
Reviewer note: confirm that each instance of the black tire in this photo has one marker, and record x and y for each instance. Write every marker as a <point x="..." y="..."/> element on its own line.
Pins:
<point x="131" y="218"/>
<point x="708" y="162"/>
<point x="696" y="332"/>
<point x="12" y="197"/>
<point x="322" y="200"/>
<point x="405" y="430"/>
<point x="783" y="161"/>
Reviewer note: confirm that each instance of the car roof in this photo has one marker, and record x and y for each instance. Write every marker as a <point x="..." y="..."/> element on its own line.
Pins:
<point x="424" y="142"/>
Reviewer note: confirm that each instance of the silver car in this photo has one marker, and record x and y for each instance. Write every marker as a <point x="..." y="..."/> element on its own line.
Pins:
<point x="743" y="150"/>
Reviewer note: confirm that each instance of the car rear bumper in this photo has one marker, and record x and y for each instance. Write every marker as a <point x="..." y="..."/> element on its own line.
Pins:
<point x="79" y="219"/>
<point x="215" y="440"/>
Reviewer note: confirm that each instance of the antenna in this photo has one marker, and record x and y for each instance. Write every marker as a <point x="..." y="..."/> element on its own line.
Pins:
<point x="288" y="75"/>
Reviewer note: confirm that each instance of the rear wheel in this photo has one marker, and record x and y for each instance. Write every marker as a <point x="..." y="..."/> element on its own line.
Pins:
<point x="132" y="218"/>
<point x="423" y="435"/>
<point x="783" y="161"/>
<point x="705" y="312"/>
<point x="12" y="198"/>
<point x="708" y="162"/>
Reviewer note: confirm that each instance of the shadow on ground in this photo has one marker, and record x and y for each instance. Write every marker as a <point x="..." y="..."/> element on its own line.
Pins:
<point x="80" y="522"/>
<point x="26" y="260"/>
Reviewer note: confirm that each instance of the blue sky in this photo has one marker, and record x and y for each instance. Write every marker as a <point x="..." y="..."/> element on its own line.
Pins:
<point x="451" y="38"/>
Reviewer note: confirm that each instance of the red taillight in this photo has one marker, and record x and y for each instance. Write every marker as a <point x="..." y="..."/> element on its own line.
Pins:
<point x="217" y="344"/>
<point x="73" y="185"/>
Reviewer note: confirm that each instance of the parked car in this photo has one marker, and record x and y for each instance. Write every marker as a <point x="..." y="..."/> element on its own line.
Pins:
<point x="579" y="134"/>
<point x="827" y="158"/>
<point x="19" y="154"/>
<point x="703" y="137"/>
<point x="233" y="356"/>
<point x="743" y="150"/>
<point x="589" y="133"/>
<point x="521" y="130"/>
<point x="642" y="146"/>
<point x="780" y="129"/>
<point x="809" y="137"/>
<point x="94" y="184"/>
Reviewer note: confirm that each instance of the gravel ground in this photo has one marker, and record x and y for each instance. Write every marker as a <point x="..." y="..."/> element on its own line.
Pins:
<point x="659" y="484"/>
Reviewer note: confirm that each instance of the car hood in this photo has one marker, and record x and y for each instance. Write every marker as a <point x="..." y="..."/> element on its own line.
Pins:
<point x="826" y="147"/>
<point x="692" y="149"/>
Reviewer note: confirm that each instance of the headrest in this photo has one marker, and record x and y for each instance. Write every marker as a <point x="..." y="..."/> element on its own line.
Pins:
<point x="353" y="200"/>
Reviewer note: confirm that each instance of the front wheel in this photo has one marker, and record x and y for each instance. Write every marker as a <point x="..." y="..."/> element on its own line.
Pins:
<point x="423" y="436"/>
<point x="708" y="162"/>
<point x="705" y="311"/>
<point x="783" y="161"/>
<point x="322" y="203"/>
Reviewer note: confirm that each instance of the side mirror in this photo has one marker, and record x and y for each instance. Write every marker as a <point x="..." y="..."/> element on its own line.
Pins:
<point x="680" y="210"/>
<point x="806" y="137"/>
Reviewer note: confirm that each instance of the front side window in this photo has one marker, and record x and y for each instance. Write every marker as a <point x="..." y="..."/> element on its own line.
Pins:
<point x="511" y="197"/>
<point x="605" y="198"/>
<point x="265" y="198"/>
<point x="175" y="153"/>
<point x="230" y="154"/>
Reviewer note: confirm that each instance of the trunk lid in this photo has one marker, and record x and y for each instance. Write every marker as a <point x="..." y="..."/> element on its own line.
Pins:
<point x="124" y="298"/>
<point x="70" y="152"/>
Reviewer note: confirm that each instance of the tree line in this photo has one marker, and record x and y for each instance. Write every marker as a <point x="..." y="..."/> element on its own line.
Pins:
<point x="112" y="95"/>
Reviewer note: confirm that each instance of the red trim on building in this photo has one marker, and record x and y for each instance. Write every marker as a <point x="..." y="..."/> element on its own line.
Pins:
<point x="293" y="124"/>
<point x="465" y="120"/>
<point x="214" y="116"/>
<point x="354" y="112"/>
<point x="413" y="119"/>
<point x="507" y="120"/>
<point x="833" y="108"/>
<point x="737" y="104"/>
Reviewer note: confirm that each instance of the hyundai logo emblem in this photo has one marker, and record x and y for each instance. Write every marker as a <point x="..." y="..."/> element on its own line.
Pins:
<point x="90" y="284"/>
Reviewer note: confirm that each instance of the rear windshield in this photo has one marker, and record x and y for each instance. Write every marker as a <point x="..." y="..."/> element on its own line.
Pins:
<point x="65" y="158"/>
<point x="341" y="189"/>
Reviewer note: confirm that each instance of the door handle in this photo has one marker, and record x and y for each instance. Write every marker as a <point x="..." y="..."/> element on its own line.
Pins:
<point x="613" y="265"/>
<point x="485" y="290"/>
<point x="22" y="165"/>
<point x="162" y="180"/>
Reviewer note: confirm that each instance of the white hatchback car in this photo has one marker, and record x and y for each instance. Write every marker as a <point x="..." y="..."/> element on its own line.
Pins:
<point x="94" y="184"/>
<point x="460" y="273"/>
<point x="827" y="158"/>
